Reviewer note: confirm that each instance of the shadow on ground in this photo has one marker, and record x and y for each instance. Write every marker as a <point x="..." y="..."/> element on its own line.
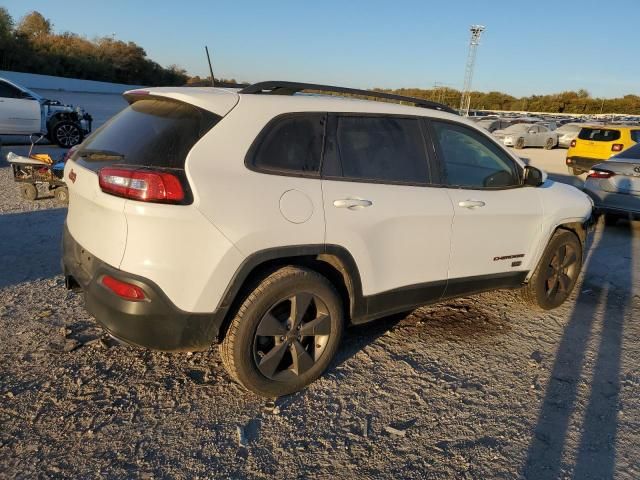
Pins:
<point x="596" y="452"/>
<point x="31" y="243"/>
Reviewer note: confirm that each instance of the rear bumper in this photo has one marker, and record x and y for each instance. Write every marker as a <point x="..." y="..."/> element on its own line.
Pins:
<point x="583" y="163"/>
<point x="154" y="323"/>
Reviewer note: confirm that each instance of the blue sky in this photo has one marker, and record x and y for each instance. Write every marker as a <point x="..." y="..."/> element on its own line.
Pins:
<point x="529" y="47"/>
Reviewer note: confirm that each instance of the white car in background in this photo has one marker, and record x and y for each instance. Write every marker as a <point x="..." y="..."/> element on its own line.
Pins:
<point x="522" y="135"/>
<point x="567" y="133"/>
<point x="268" y="221"/>
<point x="23" y="112"/>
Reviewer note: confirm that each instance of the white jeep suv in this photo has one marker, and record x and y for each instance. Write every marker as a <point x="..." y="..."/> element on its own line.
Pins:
<point x="267" y="220"/>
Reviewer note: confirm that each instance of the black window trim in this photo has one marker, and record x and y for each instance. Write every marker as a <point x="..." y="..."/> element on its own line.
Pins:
<point x="332" y="120"/>
<point x="250" y="157"/>
<point x="440" y="163"/>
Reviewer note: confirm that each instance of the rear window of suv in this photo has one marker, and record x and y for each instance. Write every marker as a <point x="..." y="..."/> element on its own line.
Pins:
<point x="599" y="134"/>
<point x="151" y="132"/>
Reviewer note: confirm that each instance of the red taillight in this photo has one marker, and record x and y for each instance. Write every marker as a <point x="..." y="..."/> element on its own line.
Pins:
<point x="144" y="185"/>
<point x="123" y="289"/>
<point x="600" y="174"/>
<point x="573" y="143"/>
<point x="617" y="147"/>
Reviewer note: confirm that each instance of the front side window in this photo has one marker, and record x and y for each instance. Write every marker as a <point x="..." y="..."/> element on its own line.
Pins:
<point x="470" y="160"/>
<point x="8" y="91"/>
<point x="291" y="144"/>
<point x="384" y="149"/>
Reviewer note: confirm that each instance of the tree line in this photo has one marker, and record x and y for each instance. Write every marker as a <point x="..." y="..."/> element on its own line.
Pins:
<point x="579" y="102"/>
<point x="31" y="46"/>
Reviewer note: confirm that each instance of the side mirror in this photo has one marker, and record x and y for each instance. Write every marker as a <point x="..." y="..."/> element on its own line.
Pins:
<point x="533" y="177"/>
<point x="532" y="131"/>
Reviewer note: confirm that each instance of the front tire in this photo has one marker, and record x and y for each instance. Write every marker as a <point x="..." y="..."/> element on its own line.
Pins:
<point x="285" y="334"/>
<point x="520" y="143"/>
<point x="557" y="272"/>
<point x="66" y="134"/>
<point x="549" y="144"/>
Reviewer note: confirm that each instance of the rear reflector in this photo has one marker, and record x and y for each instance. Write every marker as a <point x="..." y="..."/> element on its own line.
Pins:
<point x="143" y="185"/>
<point x="600" y="174"/>
<point x="617" y="147"/>
<point x="123" y="289"/>
<point x="569" y="161"/>
<point x="573" y="143"/>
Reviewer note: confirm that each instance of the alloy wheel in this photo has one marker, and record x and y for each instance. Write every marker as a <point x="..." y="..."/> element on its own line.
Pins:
<point x="68" y="135"/>
<point x="561" y="272"/>
<point x="292" y="336"/>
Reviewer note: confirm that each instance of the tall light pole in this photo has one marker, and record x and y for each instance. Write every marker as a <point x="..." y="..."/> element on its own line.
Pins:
<point x="465" y="100"/>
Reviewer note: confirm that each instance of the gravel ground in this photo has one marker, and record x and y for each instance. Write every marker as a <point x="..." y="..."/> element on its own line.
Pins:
<point x="479" y="387"/>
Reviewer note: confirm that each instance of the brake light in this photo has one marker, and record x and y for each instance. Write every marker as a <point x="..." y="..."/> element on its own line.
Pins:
<point x="144" y="185"/>
<point x="600" y="174"/>
<point x="573" y="143"/>
<point x="617" y="147"/>
<point x="123" y="289"/>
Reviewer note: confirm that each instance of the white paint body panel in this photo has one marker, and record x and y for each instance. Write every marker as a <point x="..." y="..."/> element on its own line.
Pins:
<point x="409" y="235"/>
<point x="508" y="224"/>
<point x="96" y="220"/>
<point x="19" y="116"/>
<point x="402" y="239"/>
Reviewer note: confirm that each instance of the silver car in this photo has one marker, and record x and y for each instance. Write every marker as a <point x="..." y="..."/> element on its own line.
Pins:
<point x="523" y="135"/>
<point x="567" y="133"/>
<point x="614" y="185"/>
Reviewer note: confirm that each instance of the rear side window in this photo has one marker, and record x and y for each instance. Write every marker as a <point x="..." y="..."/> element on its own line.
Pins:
<point x="384" y="149"/>
<point x="291" y="145"/>
<point x="470" y="160"/>
<point x="149" y="132"/>
<point x="635" y="136"/>
<point x="599" y="134"/>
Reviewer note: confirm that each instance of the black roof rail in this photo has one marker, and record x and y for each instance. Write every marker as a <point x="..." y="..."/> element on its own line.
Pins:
<point x="289" y="88"/>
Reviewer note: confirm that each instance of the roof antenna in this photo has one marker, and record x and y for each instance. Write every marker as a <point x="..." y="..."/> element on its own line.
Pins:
<point x="213" y="82"/>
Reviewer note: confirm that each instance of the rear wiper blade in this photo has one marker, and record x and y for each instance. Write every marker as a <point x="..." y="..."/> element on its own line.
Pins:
<point x="100" y="155"/>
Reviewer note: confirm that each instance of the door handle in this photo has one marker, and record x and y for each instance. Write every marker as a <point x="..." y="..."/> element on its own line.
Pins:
<point x="471" y="204"/>
<point x="352" y="203"/>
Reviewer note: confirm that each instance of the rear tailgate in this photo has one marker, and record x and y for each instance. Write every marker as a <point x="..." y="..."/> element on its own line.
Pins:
<point x="595" y="142"/>
<point x="95" y="220"/>
<point x="156" y="131"/>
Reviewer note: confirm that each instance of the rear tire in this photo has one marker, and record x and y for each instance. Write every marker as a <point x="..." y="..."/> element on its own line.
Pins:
<point x="285" y="333"/>
<point x="62" y="195"/>
<point x="557" y="272"/>
<point x="574" y="171"/>
<point x="550" y="144"/>
<point x="519" y="143"/>
<point x="28" y="191"/>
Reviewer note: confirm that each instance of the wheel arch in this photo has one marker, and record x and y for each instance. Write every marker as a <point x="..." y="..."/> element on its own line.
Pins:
<point x="332" y="261"/>
<point x="579" y="229"/>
